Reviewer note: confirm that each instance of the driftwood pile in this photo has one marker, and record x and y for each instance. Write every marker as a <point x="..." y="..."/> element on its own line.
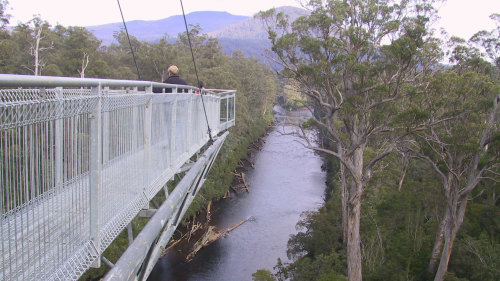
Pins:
<point x="239" y="178"/>
<point x="210" y="236"/>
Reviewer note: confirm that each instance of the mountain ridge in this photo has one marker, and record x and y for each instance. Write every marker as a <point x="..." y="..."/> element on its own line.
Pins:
<point x="234" y="32"/>
<point x="154" y="30"/>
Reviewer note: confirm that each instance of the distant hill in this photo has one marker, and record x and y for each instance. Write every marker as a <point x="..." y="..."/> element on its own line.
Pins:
<point x="243" y="33"/>
<point x="251" y="28"/>
<point x="154" y="30"/>
<point x="250" y="35"/>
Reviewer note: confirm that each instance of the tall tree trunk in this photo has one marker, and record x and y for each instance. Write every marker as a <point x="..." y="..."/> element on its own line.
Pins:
<point x="436" y="250"/>
<point x="354" y="265"/>
<point x="36" y="50"/>
<point x="85" y="63"/>
<point x="353" y="236"/>
<point x="455" y="222"/>
<point x="345" y="210"/>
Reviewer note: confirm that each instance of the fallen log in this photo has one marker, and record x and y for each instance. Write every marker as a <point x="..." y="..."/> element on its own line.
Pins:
<point x="239" y="186"/>
<point x="209" y="215"/>
<point x="244" y="182"/>
<point x="194" y="228"/>
<point x="209" y="237"/>
<point x="174" y="243"/>
<point x="186" y="236"/>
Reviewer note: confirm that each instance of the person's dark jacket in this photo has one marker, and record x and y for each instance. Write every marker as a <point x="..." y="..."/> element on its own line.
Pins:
<point x="174" y="79"/>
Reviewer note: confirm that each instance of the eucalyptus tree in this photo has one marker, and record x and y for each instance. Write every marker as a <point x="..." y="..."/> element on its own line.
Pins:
<point x="356" y="61"/>
<point x="490" y="41"/>
<point x="119" y="57"/>
<point x="160" y="56"/>
<point x="33" y="43"/>
<point x="79" y="51"/>
<point x="463" y="148"/>
<point x="207" y="53"/>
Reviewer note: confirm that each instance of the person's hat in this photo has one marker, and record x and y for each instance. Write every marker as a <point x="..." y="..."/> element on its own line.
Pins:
<point x="173" y="69"/>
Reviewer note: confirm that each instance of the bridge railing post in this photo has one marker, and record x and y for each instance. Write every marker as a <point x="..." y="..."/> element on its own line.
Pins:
<point x="95" y="173"/>
<point x="216" y="112"/>
<point x="105" y="121"/>
<point x="173" y="122"/>
<point x="189" y="125"/>
<point x="227" y="111"/>
<point x="59" y="135"/>
<point x="234" y="107"/>
<point x="135" y="115"/>
<point x="148" y="119"/>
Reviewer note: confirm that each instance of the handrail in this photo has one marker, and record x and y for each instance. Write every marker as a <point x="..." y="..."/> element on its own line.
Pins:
<point x="15" y="80"/>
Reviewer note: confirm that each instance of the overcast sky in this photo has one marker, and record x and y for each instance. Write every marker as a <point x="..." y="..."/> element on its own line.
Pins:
<point x="459" y="17"/>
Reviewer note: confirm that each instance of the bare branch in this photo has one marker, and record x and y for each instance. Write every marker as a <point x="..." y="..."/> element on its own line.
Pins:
<point x="374" y="161"/>
<point x="375" y="104"/>
<point x="333" y="153"/>
<point x="434" y="165"/>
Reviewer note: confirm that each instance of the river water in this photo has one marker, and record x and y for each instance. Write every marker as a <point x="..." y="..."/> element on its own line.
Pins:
<point x="286" y="181"/>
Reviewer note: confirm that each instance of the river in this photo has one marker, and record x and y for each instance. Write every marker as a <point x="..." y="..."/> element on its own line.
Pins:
<point x="286" y="181"/>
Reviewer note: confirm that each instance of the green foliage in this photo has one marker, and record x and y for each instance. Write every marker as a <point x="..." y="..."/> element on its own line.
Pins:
<point x="321" y="267"/>
<point x="114" y="251"/>
<point x="263" y="275"/>
<point x="322" y="232"/>
<point x="477" y="250"/>
<point x="9" y="55"/>
<point x="52" y="70"/>
<point x="4" y="17"/>
<point x="331" y="276"/>
<point x="476" y="258"/>
<point x="292" y="98"/>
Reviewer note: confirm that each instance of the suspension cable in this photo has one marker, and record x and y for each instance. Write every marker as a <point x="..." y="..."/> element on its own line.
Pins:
<point x="196" y="72"/>
<point x="130" y="44"/>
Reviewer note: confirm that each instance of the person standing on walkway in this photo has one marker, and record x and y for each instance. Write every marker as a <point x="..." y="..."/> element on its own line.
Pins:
<point x="173" y="78"/>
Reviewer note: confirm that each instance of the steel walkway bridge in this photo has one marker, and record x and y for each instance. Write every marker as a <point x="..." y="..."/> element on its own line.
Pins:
<point x="81" y="158"/>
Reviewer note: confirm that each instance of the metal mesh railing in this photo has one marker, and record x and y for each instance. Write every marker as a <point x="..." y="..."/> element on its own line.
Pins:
<point x="79" y="158"/>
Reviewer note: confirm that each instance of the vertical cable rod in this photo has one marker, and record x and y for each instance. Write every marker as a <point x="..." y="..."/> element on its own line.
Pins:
<point x="130" y="44"/>
<point x="196" y="71"/>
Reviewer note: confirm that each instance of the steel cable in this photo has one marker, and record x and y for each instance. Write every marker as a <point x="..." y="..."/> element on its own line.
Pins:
<point x="196" y="71"/>
<point x="128" y="37"/>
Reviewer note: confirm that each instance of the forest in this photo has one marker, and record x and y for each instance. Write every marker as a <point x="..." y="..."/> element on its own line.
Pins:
<point x="409" y="126"/>
<point x="410" y="123"/>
